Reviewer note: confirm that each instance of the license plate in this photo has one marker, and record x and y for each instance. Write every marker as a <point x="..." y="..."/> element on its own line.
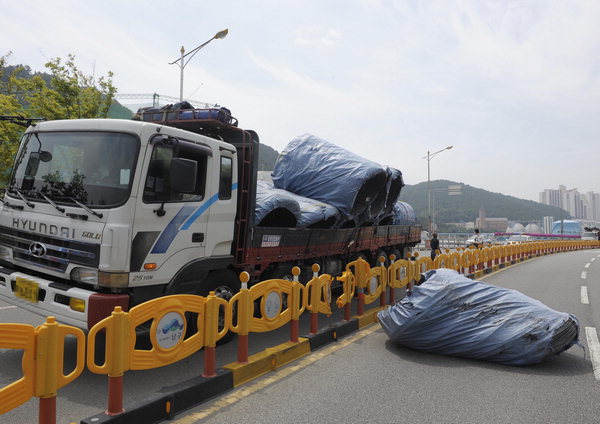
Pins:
<point x="27" y="290"/>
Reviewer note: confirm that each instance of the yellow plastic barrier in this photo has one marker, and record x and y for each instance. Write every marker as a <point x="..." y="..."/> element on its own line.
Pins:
<point x="361" y="270"/>
<point x="466" y="259"/>
<point x="211" y="319"/>
<point x="42" y="363"/>
<point x="116" y="352"/>
<point x="319" y="289"/>
<point x="476" y="258"/>
<point x="399" y="273"/>
<point x="454" y="261"/>
<point x="441" y="261"/>
<point x="423" y="264"/>
<point x="271" y="301"/>
<point x="49" y="352"/>
<point x="485" y="257"/>
<point x="348" y="286"/>
<point x="377" y="284"/>
<point x="167" y="333"/>
<point x="18" y="336"/>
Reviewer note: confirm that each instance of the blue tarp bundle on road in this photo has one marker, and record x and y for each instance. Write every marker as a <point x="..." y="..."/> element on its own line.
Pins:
<point x="451" y="314"/>
<point x="317" y="169"/>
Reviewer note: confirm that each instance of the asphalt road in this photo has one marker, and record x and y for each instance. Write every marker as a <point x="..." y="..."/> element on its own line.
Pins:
<point x="366" y="378"/>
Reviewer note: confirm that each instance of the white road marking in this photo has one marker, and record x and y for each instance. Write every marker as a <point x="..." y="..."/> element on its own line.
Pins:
<point x="7" y="307"/>
<point x="594" y="347"/>
<point x="587" y="265"/>
<point x="593" y="259"/>
<point x="583" y="275"/>
<point x="584" y="295"/>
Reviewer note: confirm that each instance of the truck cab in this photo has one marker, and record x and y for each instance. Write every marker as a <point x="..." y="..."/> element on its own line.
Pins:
<point x="100" y="213"/>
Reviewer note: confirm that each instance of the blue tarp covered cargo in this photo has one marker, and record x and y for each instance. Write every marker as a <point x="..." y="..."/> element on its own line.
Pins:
<point x="317" y="169"/>
<point x="403" y="214"/>
<point x="275" y="208"/>
<point x="309" y="213"/>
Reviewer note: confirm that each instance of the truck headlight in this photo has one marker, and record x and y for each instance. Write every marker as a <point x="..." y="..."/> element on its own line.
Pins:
<point x="5" y="253"/>
<point x="100" y="278"/>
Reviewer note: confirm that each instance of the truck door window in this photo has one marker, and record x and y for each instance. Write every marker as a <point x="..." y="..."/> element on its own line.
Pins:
<point x="157" y="187"/>
<point x="225" y="178"/>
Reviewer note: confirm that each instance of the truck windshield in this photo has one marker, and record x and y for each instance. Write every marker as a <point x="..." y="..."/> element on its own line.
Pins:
<point x="94" y="168"/>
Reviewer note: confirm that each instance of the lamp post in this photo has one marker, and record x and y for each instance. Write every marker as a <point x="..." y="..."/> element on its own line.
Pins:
<point x="453" y="190"/>
<point x="182" y="63"/>
<point x="429" y="157"/>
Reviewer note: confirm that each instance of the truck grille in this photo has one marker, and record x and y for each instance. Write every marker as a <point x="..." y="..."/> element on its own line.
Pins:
<point x="48" y="251"/>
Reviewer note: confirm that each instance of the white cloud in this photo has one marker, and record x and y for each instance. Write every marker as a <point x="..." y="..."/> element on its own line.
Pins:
<point x="323" y="38"/>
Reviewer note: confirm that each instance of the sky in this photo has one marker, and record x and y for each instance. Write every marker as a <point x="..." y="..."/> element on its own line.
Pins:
<point x="513" y="86"/>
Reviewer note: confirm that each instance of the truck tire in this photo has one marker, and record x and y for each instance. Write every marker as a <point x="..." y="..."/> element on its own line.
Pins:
<point x="225" y="284"/>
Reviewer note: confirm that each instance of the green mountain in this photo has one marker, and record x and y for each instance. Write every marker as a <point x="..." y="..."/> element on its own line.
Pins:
<point x="465" y="207"/>
<point x="118" y="111"/>
<point x="266" y="157"/>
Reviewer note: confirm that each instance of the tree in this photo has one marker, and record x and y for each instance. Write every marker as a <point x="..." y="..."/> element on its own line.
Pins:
<point x="68" y="93"/>
<point x="9" y="133"/>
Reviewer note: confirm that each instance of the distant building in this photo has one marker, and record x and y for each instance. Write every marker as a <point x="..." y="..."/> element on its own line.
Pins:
<point x="532" y="229"/>
<point x="567" y="227"/>
<point x="580" y="206"/>
<point x="464" y="225"/>
<point x="490" y="224"/>
<point x="515" y="227"/>
<point x="547" y="224"/>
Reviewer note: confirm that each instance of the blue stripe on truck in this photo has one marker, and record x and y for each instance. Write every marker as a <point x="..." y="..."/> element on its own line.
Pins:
<point x="203" y="208"/>
<point x="185" y="217"/>
<point x="168" y="235"/>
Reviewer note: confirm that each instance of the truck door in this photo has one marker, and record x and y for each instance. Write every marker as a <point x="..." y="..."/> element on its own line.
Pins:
<point x="174" y="189"/>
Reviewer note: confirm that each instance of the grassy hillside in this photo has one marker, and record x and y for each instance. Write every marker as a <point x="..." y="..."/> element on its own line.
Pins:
<point x="118" y="111"/>
<point x="266" y="157"/>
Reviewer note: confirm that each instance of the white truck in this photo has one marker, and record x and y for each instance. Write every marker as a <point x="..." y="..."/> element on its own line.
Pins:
<point x="101" y="213"/>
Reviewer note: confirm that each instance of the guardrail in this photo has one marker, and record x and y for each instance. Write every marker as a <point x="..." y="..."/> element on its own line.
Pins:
<point x="264" y="307"/>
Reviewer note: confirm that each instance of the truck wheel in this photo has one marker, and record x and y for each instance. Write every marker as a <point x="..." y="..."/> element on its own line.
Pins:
<point x="225" y="284"/>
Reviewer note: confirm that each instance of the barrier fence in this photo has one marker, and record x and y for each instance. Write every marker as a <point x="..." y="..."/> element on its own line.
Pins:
<point x="266" y="306"/>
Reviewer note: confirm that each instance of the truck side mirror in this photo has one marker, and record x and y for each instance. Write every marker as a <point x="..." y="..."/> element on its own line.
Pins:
<point x="33" y="162"/>
<point x="182" y="175"/>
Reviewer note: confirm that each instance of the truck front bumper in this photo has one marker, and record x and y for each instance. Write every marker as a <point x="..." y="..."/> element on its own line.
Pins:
<point x="69" y="305"/>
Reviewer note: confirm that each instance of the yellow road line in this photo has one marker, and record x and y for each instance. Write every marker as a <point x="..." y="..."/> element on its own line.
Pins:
<point x="242" y="392"/>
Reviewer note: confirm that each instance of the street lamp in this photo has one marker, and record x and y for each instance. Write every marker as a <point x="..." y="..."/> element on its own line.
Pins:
<point x="453" y="190"/>
<point x="182" y="63"/>
<point x="429" y="157"/>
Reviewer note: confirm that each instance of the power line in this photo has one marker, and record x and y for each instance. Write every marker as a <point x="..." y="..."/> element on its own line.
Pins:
<point x="157" y="98"/>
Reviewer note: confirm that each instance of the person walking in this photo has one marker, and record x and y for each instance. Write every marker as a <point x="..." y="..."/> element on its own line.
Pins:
<point x="477" y="239"/>
<point x="435" y="245"/>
